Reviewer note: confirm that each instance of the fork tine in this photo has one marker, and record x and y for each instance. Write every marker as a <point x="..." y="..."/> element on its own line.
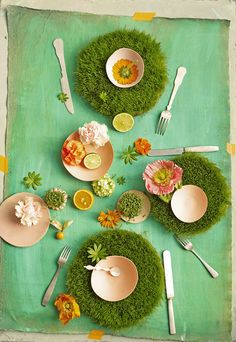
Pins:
<point x="64" y="252"/>
<point x="181" y="241"/>
<point x="66" y="256"/>
<point x="159" y="125"/>
<point x="165" y="126"/>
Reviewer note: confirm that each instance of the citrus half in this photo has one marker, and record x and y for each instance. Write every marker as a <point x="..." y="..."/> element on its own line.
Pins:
<point x="83" y="199"/>
<point x="123" y="122"/>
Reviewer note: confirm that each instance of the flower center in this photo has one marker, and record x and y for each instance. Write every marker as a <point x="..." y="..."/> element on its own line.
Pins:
<point x="67" y="306"/>
<point x="125" y="71"/>
<point x="162" y="176"/>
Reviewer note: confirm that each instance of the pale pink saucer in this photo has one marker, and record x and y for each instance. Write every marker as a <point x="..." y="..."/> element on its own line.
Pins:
<point x="81" y="172"/>
<point x="112" y="288"/>
<point x="189" y="203"/>
<point x="145" y="211"/>
<point x="15" y="233"/>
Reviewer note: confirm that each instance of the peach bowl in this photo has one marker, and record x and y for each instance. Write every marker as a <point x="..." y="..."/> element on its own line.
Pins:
<point x="112" y="288"/>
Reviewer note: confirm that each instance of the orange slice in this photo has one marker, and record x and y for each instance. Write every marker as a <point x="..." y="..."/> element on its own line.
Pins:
<point x="83" y="199"/>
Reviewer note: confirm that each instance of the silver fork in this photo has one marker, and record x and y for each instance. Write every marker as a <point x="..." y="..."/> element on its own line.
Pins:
<point x="61" y="261"/>
<point x="166" y="114"/>
<point x="189" y="247"/>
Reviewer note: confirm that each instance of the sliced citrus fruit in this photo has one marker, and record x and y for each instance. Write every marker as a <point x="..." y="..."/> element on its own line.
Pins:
<point x="83" y="199"/>
<point x="123" y="122"/>
<point x="92" y="161"/>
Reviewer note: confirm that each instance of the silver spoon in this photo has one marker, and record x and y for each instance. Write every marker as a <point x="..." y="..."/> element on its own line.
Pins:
<point x="114" y="271"/>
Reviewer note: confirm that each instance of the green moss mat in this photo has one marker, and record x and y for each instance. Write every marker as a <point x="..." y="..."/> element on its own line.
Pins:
<point x="198" y="170"/>
<point x="91" y="78"/>
<point x="141" y="302"/>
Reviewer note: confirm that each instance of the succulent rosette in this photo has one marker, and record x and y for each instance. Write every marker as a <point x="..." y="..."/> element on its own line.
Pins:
<point x="162" y="177"/>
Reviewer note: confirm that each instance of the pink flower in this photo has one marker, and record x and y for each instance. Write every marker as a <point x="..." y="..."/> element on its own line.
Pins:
<point x="161" y="176"/>
<point x="94" y="133"/>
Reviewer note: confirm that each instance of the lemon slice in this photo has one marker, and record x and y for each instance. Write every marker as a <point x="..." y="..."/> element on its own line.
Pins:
<point x="83" y="199"/>
<point x="92" y="161"/>
<point x="123" y="122"/>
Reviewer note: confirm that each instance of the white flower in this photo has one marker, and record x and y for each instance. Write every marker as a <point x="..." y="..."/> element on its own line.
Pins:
<point x="94" y="133"/>
<point x="28" y="211"/>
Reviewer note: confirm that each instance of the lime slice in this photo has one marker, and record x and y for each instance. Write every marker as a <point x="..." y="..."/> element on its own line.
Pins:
<point x="123" y="122"/>
<point x="92" y="161"/>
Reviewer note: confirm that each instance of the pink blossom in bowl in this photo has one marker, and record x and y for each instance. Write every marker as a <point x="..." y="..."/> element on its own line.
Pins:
<point x="94" y="133"/>
<point x="162" y="176"/>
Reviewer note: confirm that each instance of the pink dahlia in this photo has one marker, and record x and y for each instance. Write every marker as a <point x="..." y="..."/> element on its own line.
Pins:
<point x="161" y="176"/>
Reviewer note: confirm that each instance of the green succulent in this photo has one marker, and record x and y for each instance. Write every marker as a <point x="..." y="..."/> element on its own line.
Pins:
<point x="56" y="198"/>
<point x="129" y="155"/>
<point x="33" y="180"/>
<point x="62" y="97"/>
<point x="121" y="180"/>
<point x="96" y="253"/>
<point x="103" y="96"/>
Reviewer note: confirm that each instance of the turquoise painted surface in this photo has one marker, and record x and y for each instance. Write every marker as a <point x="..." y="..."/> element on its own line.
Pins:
<point x="37" y="126"/>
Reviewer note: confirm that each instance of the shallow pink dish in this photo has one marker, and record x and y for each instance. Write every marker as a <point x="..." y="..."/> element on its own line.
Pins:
<point x="15" y="233"/>
<point x="80" y="171"/>
<point x="112" y="288"/>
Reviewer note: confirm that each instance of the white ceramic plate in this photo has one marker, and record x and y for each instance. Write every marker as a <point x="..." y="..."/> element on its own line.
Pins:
<point x="15" y="233"/>
<point x="189" y="203"/>
<point x="125" y="53"/>
<point x="84" y="174"/>
<point x="146" y="207"/>
<point x="112" y="288"/>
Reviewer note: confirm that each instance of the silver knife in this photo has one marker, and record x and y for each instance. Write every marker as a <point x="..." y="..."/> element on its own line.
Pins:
<point x="59" y="49"/>
<point x="169" y="290"/>
<point x="181" y="150"/>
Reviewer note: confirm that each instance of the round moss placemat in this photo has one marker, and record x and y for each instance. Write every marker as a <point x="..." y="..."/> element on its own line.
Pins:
<point x="92" y="82"/>
<point x="200" y="171"/>
<point x="147" y="294"/>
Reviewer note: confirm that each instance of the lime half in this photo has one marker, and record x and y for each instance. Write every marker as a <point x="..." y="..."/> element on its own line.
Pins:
<point x="92" y="161"/>
<point x="123" y="122"/>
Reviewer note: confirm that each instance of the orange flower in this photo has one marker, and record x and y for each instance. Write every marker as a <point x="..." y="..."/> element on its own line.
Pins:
<point x="109" y="220"/>
<point x="67" y="307"/>
<point x="125" y="71"/>
<point x="142" y="146"/>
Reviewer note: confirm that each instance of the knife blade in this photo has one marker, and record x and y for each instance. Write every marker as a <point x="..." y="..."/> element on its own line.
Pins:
<point x="181" y="150"/>
<point x="59" y="49"/>
<point x="169" y="289"/>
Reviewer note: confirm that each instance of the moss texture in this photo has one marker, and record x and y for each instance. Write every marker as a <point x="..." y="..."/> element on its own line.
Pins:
<point x="198" y="170"/>
<point x="141" y="302"/>
<point x="91" y="77"/>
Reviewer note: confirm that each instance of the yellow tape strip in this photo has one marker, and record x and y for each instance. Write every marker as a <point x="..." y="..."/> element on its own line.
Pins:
<point x="230" y="148"/>
<point x="96" y="335"/>
<point x="3" y="164"/>
<point x="147" y="16"/>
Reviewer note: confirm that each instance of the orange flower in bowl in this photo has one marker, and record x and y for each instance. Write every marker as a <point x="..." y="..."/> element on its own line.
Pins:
<point x="125" y="71"/>
<point x="142" y="146"/>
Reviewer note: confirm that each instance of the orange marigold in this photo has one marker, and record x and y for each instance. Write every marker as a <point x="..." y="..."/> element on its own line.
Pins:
<point x="142" y="146"/>
<point x="125" y="71"/>
<point x="109" y="219"/>
<point x="67" y="307"/>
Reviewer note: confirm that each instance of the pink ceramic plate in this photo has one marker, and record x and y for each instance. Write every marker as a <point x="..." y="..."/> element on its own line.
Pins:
<point x="146" y="207"/>
<point x="112" y="288"/>
<point x="81" y="172"/>
<point x="10" y="228"/>
<point x="189" y="203"/>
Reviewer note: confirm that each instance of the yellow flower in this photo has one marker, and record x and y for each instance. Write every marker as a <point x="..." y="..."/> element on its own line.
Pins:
<point x="109" y="220"/>
<point x="67" y="307"/>
<point x="125" y="71"/>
